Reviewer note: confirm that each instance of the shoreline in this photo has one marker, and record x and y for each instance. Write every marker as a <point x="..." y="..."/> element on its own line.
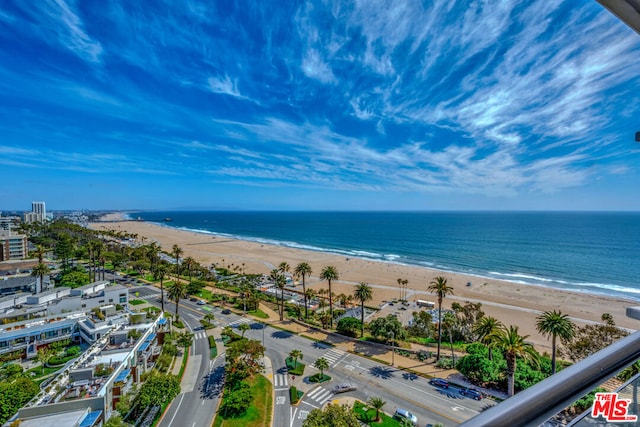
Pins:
<point x="510" y="302"/>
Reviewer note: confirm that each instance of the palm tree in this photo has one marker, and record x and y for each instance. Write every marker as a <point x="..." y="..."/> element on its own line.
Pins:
<point x="161" y="271"/>
<point x="329" y="273"/>
<point x="280" y="281"/>
<point x="302" y="270"/>
<point x="295" y="354"/>
<point x="40" y="271"/>
<point x="243" y="327"/>
<point x="321" y="364"/>
<point x="486" y="327"/>
<point x="555" y="324"/>
<point x="309" y="294"/>
<point x="439" y="287"/>
<point x="513" y="345"/>
<point x="376" y="403"/>
<point x="177" y="251"/>
<point x="177" y="291"/>
<point x="209" y="317"/>
<point x="189" y="263"/>
<point x="39" y="252"/>
<point x="449" y="322"/>
<point x="362" y="293"/>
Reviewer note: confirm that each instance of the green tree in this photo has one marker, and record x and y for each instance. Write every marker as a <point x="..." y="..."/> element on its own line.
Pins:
<point x="14" y="395"/>
<point x="362" y="293"/>
<point x="385" y="327"/>
<point x="303" y="270"/>
<point x="236" y="401"/>
<point x="555" y="324"/>
<point x="295" y="354"/>
<point x="184" y="340"/>
<point x="39" y="271"/>
<point x="592" y="338"/>
<point x="157" y="390"/>
<point x="376" y="403"/>
<point x="441" y="289"/>
<point x="177" y="291"/>
<point x="189" y="263"/>
<point x="44" y="355"/>
<point x="514" y="346"/>
<point x="349" y="326"/>
<point x="209" y="317"/>
<point x="421" y="324"/>
<point x="243" y="327"/>
<point x="333" y="416"/>
<point x="321" y="364"/>
<point x="449" y="323"/>
<point x="330" y="273"/>
<point x="160" y="272"/>
<point x="74" y="279"/>
<point x="280" y="281"/>
<point x="115" y="421"/>
<point x="177" y="252"/>
<point x="485" y="329"/>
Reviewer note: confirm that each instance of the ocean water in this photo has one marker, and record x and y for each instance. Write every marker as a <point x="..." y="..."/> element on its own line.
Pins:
<point x="591" y="252"/>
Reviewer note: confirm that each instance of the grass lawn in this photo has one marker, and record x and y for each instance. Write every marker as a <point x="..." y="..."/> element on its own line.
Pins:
<point x="259" y="313"/>
<point x="38" y="371"/>
<point x="259" y="413"/>
<point x="368" y="416"/>
<point x="136" y="301"/>
<point x="205" y="294"/>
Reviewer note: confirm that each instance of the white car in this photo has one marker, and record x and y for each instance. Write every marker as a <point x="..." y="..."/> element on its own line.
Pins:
<point x="343" y="388"/>
<point x="200" y="302"/>
<point x="403" y="414"/>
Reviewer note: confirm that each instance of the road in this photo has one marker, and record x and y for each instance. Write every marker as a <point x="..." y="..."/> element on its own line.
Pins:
<point x="202" y="382"/>
<point x="397" y="388"/>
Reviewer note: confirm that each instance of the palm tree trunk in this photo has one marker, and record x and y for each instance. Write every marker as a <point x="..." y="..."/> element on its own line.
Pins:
<point x="553" y="354"/>
<point x="439" y="328"/>
<point x="362" y="319"/>
<point x="330" y="307"/>
<point x="161" y="295"/>
<point x="304" y="294"/>
<point x="281" y="304"/>
<point x="177" y="304"/>
<point x="511" y="373"/>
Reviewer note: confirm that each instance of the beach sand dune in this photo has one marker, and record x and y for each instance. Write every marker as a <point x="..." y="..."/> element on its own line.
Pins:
<point x="512" y="303"/>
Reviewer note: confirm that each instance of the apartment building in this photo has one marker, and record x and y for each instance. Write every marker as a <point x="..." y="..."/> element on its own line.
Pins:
<point x="12" y="246"/>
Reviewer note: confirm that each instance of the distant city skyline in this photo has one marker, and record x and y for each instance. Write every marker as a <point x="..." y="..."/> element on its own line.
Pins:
<point x="301" y="106"/>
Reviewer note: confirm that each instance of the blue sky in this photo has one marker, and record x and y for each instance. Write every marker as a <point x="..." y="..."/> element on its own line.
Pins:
<point x="367" y="105"/>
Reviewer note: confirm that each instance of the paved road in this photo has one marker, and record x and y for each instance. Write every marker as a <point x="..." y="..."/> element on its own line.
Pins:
<point x="202" y="382"/>
<point x="398" y="388"/>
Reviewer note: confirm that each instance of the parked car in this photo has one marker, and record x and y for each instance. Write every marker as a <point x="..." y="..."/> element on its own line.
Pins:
<point x="200" y="302"/>
<point x="343" y="388"/>
<point x="403" y="414"/>
<point x="471" y="392"/>
<point x="226" y="311"/>
<point x="439" y="382"/>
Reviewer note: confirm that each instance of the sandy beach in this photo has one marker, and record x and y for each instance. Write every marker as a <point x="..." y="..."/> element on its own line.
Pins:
<point x="512" y="303"/>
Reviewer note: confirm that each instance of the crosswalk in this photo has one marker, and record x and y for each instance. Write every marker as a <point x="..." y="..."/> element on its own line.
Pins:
<point x="199" y="335"/>
<point x="319" y="395"/>
<point x="280" y="380"/>
<point x="237" y="323"/>
<point x="333" y="356"/>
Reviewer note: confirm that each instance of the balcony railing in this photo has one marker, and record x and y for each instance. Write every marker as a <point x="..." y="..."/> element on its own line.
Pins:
<point x="534" y="406"/>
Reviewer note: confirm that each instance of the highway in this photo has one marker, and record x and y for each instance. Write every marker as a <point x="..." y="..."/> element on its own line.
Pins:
<point x="397" y="388"/>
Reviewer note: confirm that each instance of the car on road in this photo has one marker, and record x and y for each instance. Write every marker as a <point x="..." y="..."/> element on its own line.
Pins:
<point x="200" y="302"/>
<point x="343" y="388"/>
<point x="439" y="382"/>
<point x="226" y="311"/>
<point x="471" y="392"/>
<point x="193" y="299"/>
<point x="403" y="414"/>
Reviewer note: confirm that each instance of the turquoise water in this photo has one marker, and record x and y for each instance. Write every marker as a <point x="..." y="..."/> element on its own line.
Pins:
<point x="591" y="252"/>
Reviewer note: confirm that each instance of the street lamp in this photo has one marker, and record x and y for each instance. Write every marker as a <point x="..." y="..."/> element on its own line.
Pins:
<point x="393" y="350"/>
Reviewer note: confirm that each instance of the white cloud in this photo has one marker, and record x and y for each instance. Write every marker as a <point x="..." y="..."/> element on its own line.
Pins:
<point x="224" y="85"/>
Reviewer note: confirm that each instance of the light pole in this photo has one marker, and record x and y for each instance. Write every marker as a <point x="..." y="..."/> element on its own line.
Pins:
<point x="393" y="350"/>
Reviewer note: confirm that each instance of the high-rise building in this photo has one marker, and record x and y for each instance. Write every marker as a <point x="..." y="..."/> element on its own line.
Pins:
<point x="38" y="213"/>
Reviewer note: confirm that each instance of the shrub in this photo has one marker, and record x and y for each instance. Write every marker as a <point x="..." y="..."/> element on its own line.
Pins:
<point x="237" y="401"/>
<point x="349" y="326"/>
<point x="319" y="378"/>
<point x="293" y="395"/>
